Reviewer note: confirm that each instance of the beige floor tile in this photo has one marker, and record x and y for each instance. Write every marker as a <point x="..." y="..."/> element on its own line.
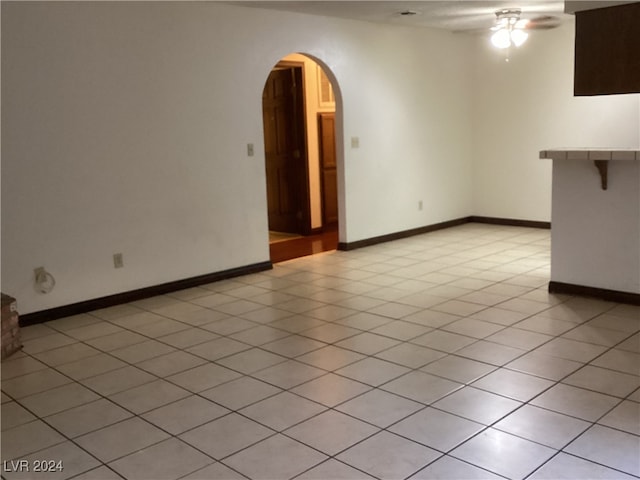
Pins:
<point x="568" y="467"/>
<point x="386" y="455"/>
<point x="293" y="346"/>
<point x="218" y="348"/>
<point x="330" y="333"/>
<point x="379" y="408"/>
<point x="443" y="341"/>
<point x="457" y="307"/>
<point x="632" y="344"/>
<point x="100" y="473"/>
<point x="500" y="316"/>
<point x="330" y="389"/>
<point x="421" y="387"/>
<point x="372" y="371"/>
<point x="503" y="454"/>
<point x="229" y="325"/>
<point x="75" y="321"/>
<point x="171" y="363"/>
<point x="545" y="325"/>
<point x="47" y="342"/>
<point x="160" y="328"/>
<point x="401" y="330"/>
<point x="34" y="331"/>
<point x="625" y="416"/>
<point x="330" y="358"/>
<point x="13" y="415"/>
<point x="200" y="317"/>
<point x="599" y="336"/>
<point x="275" y="457"/>
<point x="410" y="355"/>
<point x="118" y="380"/>
<point x="459" y="369"/>
<point x="116" y="312"/>
<point x="473" y="328"/>
<point x="249" y="361"/>
<point x="240" y="392"/>
<point x="622" y="361"/>
<point x="188" y="338"/>
<point x="149" y="396"/>
<point x="140" y="352"/>
<point x="508" y="383"/>
<point x="116" y="341"/>
<point x="546" y="366"/>
<point x="121" y="439"/>
<point x="288" y="374"/>
<point x="333" y="469"/>
<point x="203" y="377"/>
<point x="489" y="352"/>
<point x="58" y="399"/>
<point x="93" y="331"/>
<point x="282" y="411"/>
<point x="296" y="323"/>
<point x="67" y="354"/>
<point x="448" y="467"/>
<point x="167" y="460"/>
<point x="604" y="381"/>
<point x="176" y="309"/>
<point x="32" y="383"/>
<point x="477" y="405"/>
<point x="367" y="343"/>
<point x="227" y="435"/>
<point x="259" y="335"/>
<point x="87" y="418"/>
<point x="612" y="448"/>
<point x="542" y="426"/>
<point x="185" y="414"/>
<point x="91" y="366"/>
<point x="30" y="437"/>
<point x="16" y="367"/>
<point x="331" y="432"/>
<point x="576" y="402"/>
<point x="215" y="471"/>
<point x="436" y="429"/>
<point x="519" y="338"/>
<point x="431" y="318"/>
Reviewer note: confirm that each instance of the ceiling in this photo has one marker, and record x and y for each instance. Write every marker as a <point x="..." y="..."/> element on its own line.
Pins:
<point x="453" y="15"/>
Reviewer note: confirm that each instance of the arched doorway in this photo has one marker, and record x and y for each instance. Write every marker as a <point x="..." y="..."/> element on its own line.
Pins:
<point x="299" y="117"/>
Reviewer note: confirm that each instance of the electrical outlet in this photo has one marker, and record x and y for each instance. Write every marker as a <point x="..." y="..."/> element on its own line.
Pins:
<point x="420" y="205"/>
<point x="250" y="149"/>
<point x="118" y="261"/>
<point x="355" y="142"/>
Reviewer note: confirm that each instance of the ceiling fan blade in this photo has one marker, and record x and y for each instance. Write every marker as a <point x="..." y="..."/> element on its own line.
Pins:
<point x="545" y="22"/>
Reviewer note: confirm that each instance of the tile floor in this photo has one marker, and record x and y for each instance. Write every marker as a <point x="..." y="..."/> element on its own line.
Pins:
<point x="439" y="356"/>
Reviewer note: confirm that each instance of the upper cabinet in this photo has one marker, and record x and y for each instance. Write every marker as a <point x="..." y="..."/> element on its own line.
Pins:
<point x="607" y="50"/>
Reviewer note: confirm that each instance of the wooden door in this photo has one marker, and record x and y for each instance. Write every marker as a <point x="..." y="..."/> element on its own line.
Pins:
<point x="283" y="108"/>
<point x="328" y="171"/>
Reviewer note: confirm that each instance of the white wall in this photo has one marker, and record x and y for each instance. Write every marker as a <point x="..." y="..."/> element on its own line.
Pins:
<point x="125" y="125"/>
<point x="527" y="105"/>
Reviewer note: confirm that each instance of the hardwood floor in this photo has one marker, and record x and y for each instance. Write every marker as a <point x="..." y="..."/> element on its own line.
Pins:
<point x="303" y="246"/>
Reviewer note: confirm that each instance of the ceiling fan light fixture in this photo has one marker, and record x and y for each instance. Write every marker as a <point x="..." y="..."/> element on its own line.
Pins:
<point x="509" y="29"/>
<point x="518" y="37"/>
<point x="501" y="38"/>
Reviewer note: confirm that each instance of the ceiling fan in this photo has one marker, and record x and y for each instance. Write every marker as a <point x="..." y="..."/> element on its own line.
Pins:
<point x="511" y="30"/>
